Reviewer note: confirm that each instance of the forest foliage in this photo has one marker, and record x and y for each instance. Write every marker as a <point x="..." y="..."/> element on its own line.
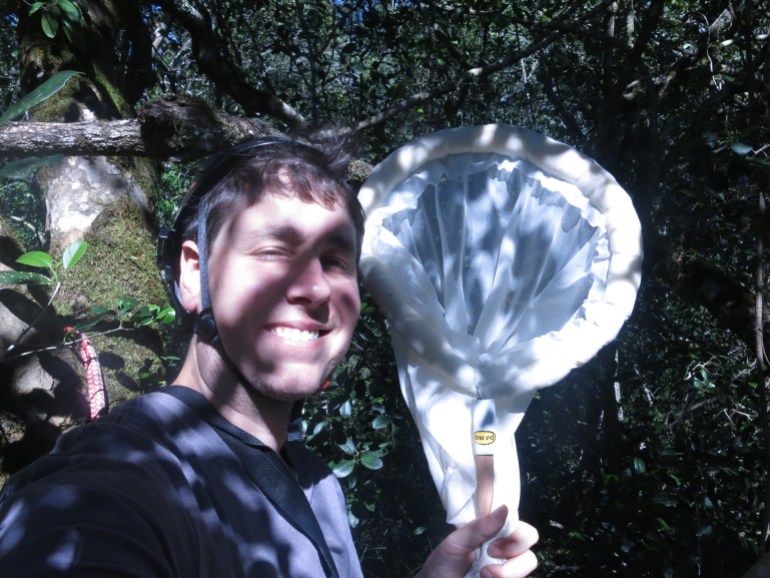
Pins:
<point x="653" y="459"/>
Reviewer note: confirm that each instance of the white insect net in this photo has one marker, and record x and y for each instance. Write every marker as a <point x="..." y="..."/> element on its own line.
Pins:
<point x="502" y="259"/>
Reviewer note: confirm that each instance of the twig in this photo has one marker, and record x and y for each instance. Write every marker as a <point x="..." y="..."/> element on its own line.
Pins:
<point x="62" y="345"/>
<point x="760" y="357"/>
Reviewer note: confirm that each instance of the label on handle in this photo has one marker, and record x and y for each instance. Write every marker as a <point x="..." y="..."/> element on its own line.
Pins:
<point x="484" y="425"/>
<point x="484" y="437"/>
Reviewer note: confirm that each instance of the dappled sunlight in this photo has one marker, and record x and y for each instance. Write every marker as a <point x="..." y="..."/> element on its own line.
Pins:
<point x="159" y="483"/>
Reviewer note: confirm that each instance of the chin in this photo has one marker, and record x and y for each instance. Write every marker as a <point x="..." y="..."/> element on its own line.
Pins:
<point x="291" y="391"/>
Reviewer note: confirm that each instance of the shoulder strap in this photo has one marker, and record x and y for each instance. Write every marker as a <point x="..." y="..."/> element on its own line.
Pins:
<point x="269" y="472"/>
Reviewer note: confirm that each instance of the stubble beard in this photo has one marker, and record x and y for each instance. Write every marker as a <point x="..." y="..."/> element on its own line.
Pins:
<point x="285" y="388"/>
<point x="267" y="388"/>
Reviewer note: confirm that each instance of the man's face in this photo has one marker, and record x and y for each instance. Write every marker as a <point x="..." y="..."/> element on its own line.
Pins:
<point x="284" y="290"/>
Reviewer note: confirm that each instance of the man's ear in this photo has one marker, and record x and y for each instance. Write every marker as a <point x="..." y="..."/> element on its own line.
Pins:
<point x="189" y="277"/>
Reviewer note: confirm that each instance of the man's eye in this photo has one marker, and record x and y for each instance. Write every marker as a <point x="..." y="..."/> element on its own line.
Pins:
<point x="271" y="254"/>
<point x="336" y="262"/>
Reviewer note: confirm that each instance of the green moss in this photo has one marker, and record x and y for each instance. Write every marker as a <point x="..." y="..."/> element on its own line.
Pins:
<point x="145" y="172"/>
<point x="54" y="108"/>
<point x="130" y="362"/>
<point x="22" y="201"/>
<point x="120" y="261"/>
<point x="47" y="59"/>
<point x="42" y="55"/>
<point x="10" y="247"/>
<point x="116" y="98"/>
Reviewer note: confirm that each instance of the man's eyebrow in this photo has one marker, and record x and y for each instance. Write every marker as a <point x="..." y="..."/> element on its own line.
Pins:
<point x="293" y="236"/>
<point x="343" y="241"/>
<point x="285" y="233"/>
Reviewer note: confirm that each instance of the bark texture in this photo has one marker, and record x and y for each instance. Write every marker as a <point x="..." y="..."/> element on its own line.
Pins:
<point x="170" y="127"/>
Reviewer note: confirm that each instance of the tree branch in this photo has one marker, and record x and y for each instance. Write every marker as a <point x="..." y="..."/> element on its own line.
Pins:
<point x="476" y="73"/>
<point x="217" y="64"/>
<point x="170" y="127"/>
<point x="732" y="304"/>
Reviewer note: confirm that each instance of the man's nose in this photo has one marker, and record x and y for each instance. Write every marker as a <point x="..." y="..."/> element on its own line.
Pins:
<point x="310" y="285"/>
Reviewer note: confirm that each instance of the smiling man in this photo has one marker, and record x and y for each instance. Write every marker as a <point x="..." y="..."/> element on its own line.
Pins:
<point x="209" y="477"/>
<point x="284" y="292"/>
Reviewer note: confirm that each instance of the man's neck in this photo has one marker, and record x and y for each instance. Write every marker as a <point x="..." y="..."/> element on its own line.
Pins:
<point x="264" y="418"/>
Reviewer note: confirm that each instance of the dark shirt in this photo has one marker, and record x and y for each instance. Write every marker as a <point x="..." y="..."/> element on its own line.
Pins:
<point x="153" y="490"/>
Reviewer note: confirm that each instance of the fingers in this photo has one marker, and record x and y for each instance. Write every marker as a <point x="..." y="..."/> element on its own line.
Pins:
<point x="454" y="556"/>
<point x="475" y="533"/>
<point x="519" y="567"/>
<point x="516" y="548"/>
<point x="518" y="542"/>
<point x="484" y="528"/>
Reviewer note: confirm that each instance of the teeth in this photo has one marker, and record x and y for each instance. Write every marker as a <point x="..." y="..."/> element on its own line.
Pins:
<point x="296" y="335"/>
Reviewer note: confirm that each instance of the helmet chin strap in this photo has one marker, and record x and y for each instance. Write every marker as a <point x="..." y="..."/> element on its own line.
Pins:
<point x="205" y="324"/>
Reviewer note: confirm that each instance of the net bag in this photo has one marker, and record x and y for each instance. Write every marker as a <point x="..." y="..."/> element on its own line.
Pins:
<point x="501" y="259"/>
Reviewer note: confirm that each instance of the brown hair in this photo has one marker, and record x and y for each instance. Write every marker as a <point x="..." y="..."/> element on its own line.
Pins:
<point x="282" y="167"/>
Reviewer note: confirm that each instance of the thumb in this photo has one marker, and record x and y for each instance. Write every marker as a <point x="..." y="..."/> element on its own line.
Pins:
<point x="480" y="530"/>
<point x="455" y="555"/>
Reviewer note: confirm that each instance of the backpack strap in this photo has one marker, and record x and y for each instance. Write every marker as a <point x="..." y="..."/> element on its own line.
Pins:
<point x="267" y="470"/>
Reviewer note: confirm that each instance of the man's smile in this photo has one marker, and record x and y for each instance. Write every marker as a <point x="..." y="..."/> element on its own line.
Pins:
<point x="295" y="335"/>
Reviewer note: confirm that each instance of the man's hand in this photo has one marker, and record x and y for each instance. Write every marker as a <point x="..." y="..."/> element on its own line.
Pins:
<point x="455" y="555"/>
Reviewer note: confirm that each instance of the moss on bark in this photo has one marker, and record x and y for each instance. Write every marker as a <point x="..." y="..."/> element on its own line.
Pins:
<point x="119" y="262"/>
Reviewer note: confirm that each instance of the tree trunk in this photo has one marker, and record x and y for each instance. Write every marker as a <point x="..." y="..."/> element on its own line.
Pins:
<point x="107" y="202"/>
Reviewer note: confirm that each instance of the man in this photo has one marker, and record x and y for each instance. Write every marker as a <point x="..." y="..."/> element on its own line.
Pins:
<point x="206" y="477"/>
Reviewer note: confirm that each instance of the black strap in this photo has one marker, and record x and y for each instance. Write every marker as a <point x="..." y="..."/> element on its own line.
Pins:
<point x="267" y="470"/>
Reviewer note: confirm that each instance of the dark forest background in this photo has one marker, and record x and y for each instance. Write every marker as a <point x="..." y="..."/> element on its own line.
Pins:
<point x="652" y="460"/>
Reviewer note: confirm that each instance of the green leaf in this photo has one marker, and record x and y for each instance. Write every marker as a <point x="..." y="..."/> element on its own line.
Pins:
<point x="88" y="324"/>
<point x="24" y="167"/>
<point x="348" y="447"/>
<point x="71" y="11"/>
<point x="344" y="468"/>
<point x="36" y="259"/>
<point x="346" y="409"/>
<point x="352" y="519"/>
<point x="319" y="427"/>
<point x="639" y="466"/>
<point x="41" y="93"/>
<point x="73" y="253"/>
<point x="381" y="422"/>
<point x="126" y="304"/>
<point x="167" y="316"/>
<point x="145" y="315"/>
<point x="35" y="7"/>
<point x="371" y="461"/>
<point x="67" y="29"/>
<point x="50" y="25"/>
<point x="740" y="148"/>
<point x="102" y="311"/>
<point x="761" y="162"/>
<point x="146" y="321"/>
<point x="676" y="479"/>
<point x="23" y="277"/>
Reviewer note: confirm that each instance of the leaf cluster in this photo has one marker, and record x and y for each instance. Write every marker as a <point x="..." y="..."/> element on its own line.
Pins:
<point x="42" y="260"/>
<point x="56" y="15"/>
<point x="647" y="462"/>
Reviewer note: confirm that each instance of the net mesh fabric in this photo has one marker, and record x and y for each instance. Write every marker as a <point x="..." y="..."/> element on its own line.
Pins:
<point x="497" y="278"/>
